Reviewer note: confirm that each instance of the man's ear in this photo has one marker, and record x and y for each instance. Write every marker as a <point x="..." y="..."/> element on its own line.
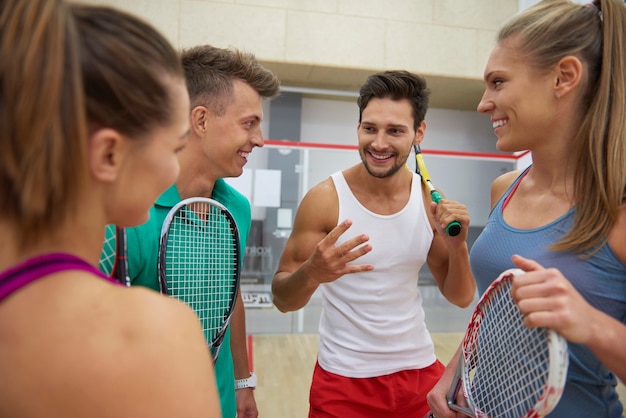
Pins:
<point x="199" y="119"/>
<point x="107" y="151"/>
<point x="419" y="133"/>
<point x="568" y="75"/>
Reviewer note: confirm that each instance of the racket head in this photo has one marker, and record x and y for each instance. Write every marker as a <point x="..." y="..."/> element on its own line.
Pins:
<point x="509" y="370"/>
<point x="113" y="261"/>
<point x="199" y="263"/>
<point x="109" y="251"/>
<point x="121" y="261"/>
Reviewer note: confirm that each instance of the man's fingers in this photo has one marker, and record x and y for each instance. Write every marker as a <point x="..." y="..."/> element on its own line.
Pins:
<point x="337" y="231"/>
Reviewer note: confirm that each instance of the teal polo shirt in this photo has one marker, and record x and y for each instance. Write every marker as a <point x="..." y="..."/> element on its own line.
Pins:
<point x="142" y="244"/>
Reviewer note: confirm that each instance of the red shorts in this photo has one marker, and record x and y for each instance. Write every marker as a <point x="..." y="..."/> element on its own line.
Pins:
<point x="401" y="394"/>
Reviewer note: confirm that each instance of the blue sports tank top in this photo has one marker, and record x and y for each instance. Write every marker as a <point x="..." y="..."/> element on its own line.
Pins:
<point x="600" y="279"/>
<point x="23" y="274"/>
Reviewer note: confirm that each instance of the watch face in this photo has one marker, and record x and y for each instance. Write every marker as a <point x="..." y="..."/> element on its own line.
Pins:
<point x="252" y="381"/>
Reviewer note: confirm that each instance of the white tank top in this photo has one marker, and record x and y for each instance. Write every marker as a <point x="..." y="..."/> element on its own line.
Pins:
<point x="372" y="323"/>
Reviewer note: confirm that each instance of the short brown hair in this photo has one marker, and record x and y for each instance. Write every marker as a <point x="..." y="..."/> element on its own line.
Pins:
<point x="210" y="71"/>
<point x="396" y="85"/>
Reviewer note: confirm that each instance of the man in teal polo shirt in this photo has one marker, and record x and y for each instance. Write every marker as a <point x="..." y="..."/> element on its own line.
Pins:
<point x="142" y="245"/>
<point x="226" y="88"/>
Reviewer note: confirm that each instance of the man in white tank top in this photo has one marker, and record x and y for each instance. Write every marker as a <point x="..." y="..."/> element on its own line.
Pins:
<point x="361" y="236"/>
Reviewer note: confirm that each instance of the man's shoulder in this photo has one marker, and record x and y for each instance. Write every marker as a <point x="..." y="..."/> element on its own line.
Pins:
<point x="228" y="195"/>
<point x="235" y="202"/>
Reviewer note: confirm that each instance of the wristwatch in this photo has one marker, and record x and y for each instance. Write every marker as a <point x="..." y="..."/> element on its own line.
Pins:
<point x="246" y="383"/>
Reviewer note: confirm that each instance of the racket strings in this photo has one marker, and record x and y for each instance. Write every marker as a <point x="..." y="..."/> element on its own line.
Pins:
<point x="201" y="265"/>
<point x="508" y="358"/>
<point x="107" y="258"/>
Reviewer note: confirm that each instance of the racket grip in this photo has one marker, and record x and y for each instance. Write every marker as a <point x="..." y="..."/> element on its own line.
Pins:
<point x="454" y="228"/>
<point x="435" y="196"/>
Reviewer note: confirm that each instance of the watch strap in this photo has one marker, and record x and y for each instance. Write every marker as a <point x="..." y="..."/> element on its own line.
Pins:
<point x="249" y="382"/>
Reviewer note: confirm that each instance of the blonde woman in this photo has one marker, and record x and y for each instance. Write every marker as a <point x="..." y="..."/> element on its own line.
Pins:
<point x="555" y="84"/>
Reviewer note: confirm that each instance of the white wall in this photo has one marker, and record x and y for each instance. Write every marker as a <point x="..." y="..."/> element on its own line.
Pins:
<point x="437" y="37"/>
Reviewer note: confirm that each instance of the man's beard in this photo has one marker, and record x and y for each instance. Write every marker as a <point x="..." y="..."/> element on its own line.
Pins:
<point x="393" y="170"/>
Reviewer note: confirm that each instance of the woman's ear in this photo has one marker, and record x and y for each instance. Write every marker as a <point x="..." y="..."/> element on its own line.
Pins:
<point x="568" y="75"/>
<point x="107" y="152"/>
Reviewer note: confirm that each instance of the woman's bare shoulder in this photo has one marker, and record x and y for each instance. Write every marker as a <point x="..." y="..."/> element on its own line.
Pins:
<point x="116" y="352"/>
<point x="501" y="184"/>
<point x="158" y="341"/>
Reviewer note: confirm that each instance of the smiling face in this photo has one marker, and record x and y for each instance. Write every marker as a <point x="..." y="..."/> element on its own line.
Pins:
<point x="386" y="136"/>
<point x="231" y="136"/>
<point x="518" y="97"/>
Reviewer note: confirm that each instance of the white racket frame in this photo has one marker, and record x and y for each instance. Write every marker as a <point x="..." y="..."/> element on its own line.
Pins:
<point x="216" y="344"/>
<point x="557" y="368"/>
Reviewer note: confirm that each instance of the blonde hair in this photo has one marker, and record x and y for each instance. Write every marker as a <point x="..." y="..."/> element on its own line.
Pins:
<point x="596" y="34"/>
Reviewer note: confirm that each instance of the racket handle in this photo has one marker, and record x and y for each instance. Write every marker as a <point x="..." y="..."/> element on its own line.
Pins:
<point x="454" y="228"/>
<point x="435" y="196"/>
<point x="455" y="388"/>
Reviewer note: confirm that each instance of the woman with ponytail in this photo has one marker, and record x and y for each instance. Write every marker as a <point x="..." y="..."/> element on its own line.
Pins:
<point x="555" y="84"/>
<point x="93" y="110"/>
